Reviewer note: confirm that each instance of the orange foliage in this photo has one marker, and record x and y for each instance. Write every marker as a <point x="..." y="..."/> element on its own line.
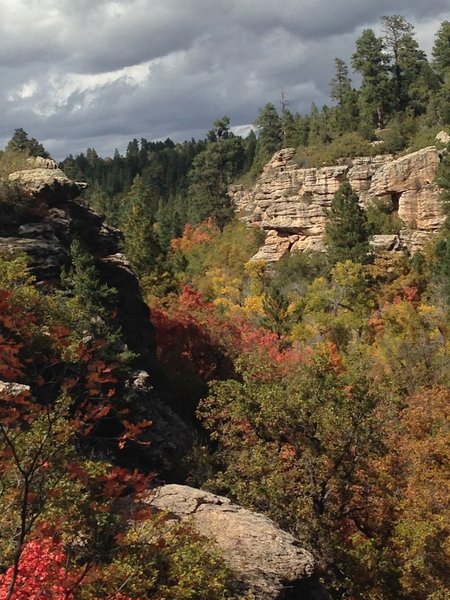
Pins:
<point x="194" y="236"/>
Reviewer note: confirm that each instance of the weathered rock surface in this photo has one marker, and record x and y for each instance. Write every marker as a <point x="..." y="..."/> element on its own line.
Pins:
<point x="47" y="184"/>
<point x="389" y="242"/>
<point x="43" y="224"/>
<point x="291" y="202"/>
<point x="9" y="388"/>
<point x="264" y="559"/>
<point x="443" y="137"/>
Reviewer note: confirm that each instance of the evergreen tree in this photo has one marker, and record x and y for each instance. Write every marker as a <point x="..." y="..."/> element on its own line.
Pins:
<point x="346" y="228"/>
<point x="212" y="172"/>
<point x="141" y="243"/>
<point x="105" y="204"/>
<point x="22" y="143"/>
<point x="439" y="106"/>
<point x="438" y="110"/>
<point x="250" y="148"/>
<point x="370" y="61"/>
<point x="314" y="126"/>
<point x="418" y="78"/>
<point x="412" y="77"/>
<point x="276" y="316"/>
<point x="302" y="124"/>
<point x="220" y="130"/>
<point x="270" y="136"/>
<point x="348" y="115"/>
<point x="397" y="33"/>
<point x="441" y="50"/>
<point x="341" y="82"/>
<point x="83" y="282"/>
<point x="132" y="157"/>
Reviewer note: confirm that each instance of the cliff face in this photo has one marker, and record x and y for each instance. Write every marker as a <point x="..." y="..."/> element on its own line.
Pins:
<point x="290" y="202"/>
<point x="42" y="222"/>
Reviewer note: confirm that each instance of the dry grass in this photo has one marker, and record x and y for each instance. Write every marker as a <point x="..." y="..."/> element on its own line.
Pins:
<point x="10" y="162"/>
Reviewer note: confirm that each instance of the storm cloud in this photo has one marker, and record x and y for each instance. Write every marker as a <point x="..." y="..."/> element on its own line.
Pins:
<point x="78" y="73"/>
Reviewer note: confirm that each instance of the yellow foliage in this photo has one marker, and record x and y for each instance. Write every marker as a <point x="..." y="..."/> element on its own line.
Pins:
<point x="256" y="271"/>
<point x="253" y="306"/>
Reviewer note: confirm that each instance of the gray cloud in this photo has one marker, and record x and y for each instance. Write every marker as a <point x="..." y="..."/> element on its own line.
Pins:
<point x="77" y="73"/>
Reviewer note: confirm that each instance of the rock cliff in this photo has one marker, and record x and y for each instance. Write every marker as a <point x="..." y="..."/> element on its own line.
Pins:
<point x="42" y="221"/>
<point x="290" y="202"/>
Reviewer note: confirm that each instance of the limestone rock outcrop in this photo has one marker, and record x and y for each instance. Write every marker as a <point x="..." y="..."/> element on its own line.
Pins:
<point x="290" y="202"/>
<point x="264" y="559"/>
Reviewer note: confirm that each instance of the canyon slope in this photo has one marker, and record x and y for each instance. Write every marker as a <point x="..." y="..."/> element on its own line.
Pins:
<point x="290" y="202"/>
<point x="42" y="220"/>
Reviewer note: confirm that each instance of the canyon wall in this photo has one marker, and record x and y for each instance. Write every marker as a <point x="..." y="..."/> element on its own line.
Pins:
<point x="42" y="219"/>
<point x="290" y="202"/>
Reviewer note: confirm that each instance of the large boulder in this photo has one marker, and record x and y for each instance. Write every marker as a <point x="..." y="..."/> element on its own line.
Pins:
<point x="265" y="560"/>
<point x="48" y="184"/>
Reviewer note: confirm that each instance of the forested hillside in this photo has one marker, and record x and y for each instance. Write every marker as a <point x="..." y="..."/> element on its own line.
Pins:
<point x="315" y="390"/>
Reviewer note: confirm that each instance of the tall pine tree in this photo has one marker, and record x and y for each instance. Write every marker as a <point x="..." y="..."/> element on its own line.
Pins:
<point x="346" y="229"/>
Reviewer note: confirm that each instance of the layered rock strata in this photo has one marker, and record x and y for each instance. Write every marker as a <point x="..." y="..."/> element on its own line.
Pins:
<point x="290" y="202"/>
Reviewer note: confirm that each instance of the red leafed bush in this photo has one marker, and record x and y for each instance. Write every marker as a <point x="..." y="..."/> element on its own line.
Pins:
<point x="192" y="334"/>
<point x="41" y="573"/>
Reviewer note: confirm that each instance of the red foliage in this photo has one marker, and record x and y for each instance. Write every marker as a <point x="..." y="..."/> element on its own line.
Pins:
<point x="408" y="294"/>
<point x="42" y="574"/>
<point x="192" y="332"/>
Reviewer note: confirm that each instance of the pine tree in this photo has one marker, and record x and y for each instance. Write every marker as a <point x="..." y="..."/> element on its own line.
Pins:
<point x="212" y="172"/>
<point x="270" y="136"/>
<point x="370" y="61"/>
<point x="346" y="228"/>
<point x="22" y="143"/>
<point x="439" y="106"/>
<point x="441" y="50"/>
<point x="341" y="83"/>
<point x="141" y="243"/>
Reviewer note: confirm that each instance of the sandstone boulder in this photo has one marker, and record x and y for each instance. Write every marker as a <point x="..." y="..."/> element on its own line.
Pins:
<point x="265" y="560"/>
<point x="443" y="137"/>
<point x="8" y="388"/>
<point x="382" y="243"/>
<point x="50" y="185"/>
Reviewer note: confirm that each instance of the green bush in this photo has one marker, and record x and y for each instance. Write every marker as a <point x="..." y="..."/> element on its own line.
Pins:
<point x="348" y="145"/>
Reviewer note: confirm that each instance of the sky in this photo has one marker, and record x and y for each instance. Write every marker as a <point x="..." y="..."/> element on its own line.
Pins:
<point x="78" y="74"/>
